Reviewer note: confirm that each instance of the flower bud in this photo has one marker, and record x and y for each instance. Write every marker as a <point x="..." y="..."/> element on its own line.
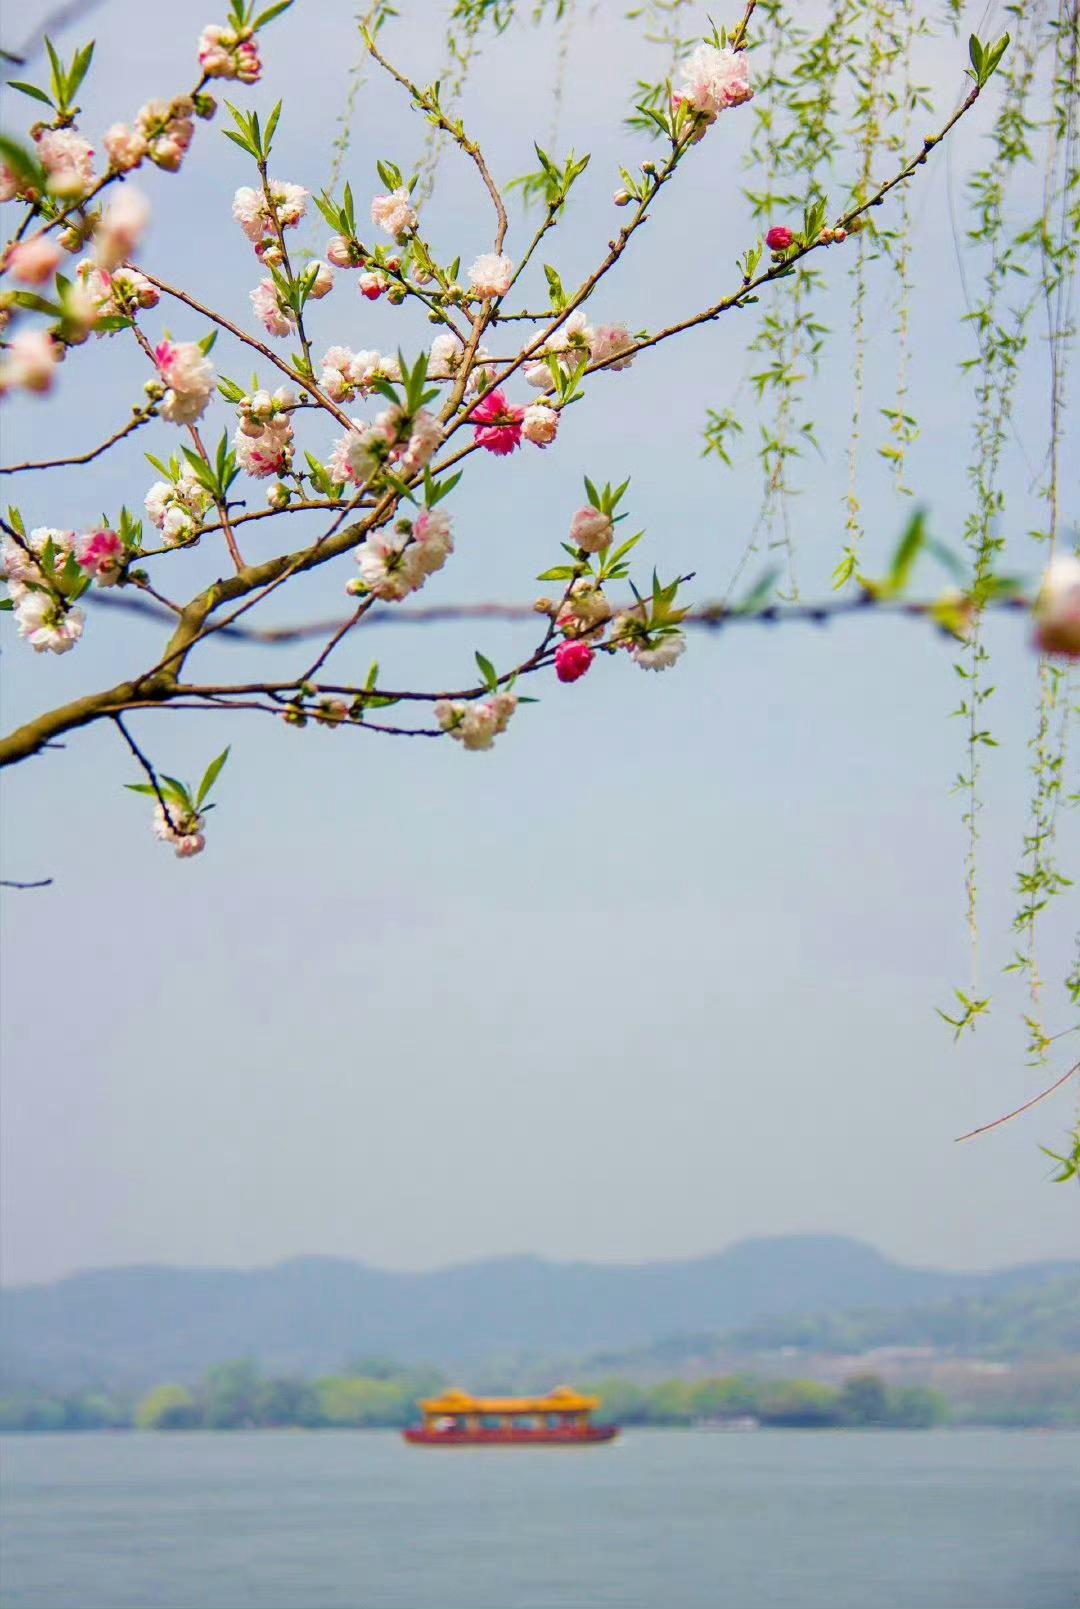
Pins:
<point x="1057" y="608"/>
<point x="621" y="198"/>
<point x="339" y="252"/>
<point x="779" y="238"/>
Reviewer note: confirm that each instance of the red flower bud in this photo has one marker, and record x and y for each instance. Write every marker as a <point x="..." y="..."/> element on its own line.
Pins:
<point x="779" y="239"/>
<point x="572" y="660"/>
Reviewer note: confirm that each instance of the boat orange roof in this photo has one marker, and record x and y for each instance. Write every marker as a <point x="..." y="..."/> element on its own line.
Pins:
<point x="562" y="1400"/>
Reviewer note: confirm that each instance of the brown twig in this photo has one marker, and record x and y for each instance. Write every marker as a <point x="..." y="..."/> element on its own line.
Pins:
<point x="147" y="767"/>
<point x="222" y="322"/>
<point x="998" y="1121"/>
<point x="141" y="418"/>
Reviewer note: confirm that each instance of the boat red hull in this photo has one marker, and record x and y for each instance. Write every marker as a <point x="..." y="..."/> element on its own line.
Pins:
<point x="511" y="1438"/>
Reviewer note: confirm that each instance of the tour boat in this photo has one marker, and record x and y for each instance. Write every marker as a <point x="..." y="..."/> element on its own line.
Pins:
<point x="560" y="1419"/>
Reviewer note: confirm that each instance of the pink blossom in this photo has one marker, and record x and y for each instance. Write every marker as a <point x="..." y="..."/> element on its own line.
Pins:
<point x="68" y="160"/>
<point x="445" y="356"/>
<point x="9" y="183"/>
<point x="224" y="54"/>
<point x="322" y="280"/>
<point x="47" y="624"/>
<point x="266" y="305"/>
<point x="431" y="539"/>
<point x="180" y="827"/>
<point x="125" y="147"/>
<point x="188" y="373"/>
<point x="121" y="227"/>
<point x="714" y="80"/>
<point x="540" y="424"/>
<point x="339" y="251"/>
<point x="131" y="289"/>
<point x="424" y="441"/>
<point x="491" y="275"/>
<point x="539" y="375"/>
<point x="358" y="454"/>
<point x="255" y="213"/>
<point x="572" y="660"/>
<point x="609" y="339"/>
<point x="175" y="507"/>
<point x="591" y="530"/>
<point x="168" y="128"/>
<point x="1057" y="608"/>
<point x="34" y="262"/>
<point x="384" y="568"/>
<point x="498" y="424"/>
<point x="20" y="561"/>
<point x="779" y="238"/>
<point x="269" y="453"/>
<point x="29" y="361"/>
<point x="394" y="213"/>
<point x="97" y="294"/>
<point x="101" y="554"/>
<point x="372" y="285"/>
<point x="475" y="725"/>
<point x="660" y="653"/>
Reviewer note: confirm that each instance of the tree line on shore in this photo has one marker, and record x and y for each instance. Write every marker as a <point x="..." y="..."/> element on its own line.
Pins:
<point x="374" y="1395"/>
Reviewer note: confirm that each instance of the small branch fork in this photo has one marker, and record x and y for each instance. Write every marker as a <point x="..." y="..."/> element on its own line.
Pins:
<point x="151" y="774"/>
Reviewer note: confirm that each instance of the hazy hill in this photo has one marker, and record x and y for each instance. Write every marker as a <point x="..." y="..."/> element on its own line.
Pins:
<point x="1036" y="1321"/>
<point x="311" y="1314"/>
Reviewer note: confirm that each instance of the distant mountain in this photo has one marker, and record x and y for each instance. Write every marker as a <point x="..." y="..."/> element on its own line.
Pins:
<point x="1039" y="1320"/>
<point x="135" y="1326"/>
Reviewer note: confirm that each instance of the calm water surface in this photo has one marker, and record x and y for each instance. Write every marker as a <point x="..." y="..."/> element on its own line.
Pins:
<point x="659" y="1520"/>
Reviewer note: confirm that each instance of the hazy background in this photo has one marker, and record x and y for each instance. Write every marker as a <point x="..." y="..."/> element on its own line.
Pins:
<point x="657" y="973"/>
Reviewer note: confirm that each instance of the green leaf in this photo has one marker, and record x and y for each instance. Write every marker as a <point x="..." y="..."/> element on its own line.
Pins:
<point x="21" y="162"/>
<point x="270" y="13"/>
<point x="561" y="572"/>
<point x="79" y="69"/>
<point x="238" y="139"/>
<point x="271" y="125"/>
<point x="487" y="670"/>
<point x="213" y="771"/>
<point x="31" y="90"/>
<point x="907" y="552"/>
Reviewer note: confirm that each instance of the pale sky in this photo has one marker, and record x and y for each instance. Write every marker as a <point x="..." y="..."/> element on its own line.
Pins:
<point x="659" y="971"/>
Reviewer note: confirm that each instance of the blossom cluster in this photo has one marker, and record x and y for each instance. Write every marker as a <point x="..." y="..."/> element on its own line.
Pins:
<point x="177" y="507"/>
<point x="477" y="724"/>
<point x="181" y="828"/>
<point x="264" y="437"/>
<point x="229" y="53"/>
<point x="714" y="79"/>
<point x="394" y="563"/>
<point x="161" y="133"/>
<point x="261" y="213"/>
<point x="46" y="570"/>
<point x="188" y="376"/>
<point x="576" y="341"/>
<point x="407" y="442"/>
<point x="649" y="633"/>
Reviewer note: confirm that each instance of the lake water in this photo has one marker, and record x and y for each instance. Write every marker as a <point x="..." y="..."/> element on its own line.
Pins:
<point x="658" y="1520"/>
